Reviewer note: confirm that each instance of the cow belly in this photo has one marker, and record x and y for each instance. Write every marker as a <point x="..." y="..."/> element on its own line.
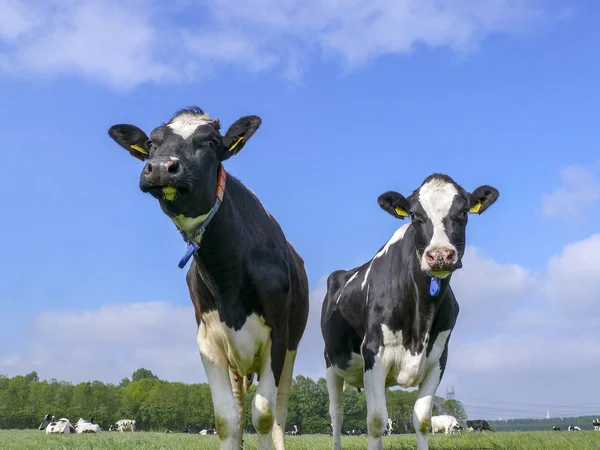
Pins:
<point x="404" y="368"/>
<point x="242" y="350"/>
<point x="353" y="372"/>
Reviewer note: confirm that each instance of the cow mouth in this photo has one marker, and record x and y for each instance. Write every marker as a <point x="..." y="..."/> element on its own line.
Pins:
<point x="168" y="192"/>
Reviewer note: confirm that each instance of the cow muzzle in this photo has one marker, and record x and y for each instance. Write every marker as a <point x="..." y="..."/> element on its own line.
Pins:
<point x="161" y="177"/>
<point x="440" y="261"/>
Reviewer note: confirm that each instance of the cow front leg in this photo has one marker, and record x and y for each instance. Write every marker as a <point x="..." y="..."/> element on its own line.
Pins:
<point x="283" y="393"/>
<point x="375" y="391"/>
<point x="265" y="399"/>
<point x="224" y="403"/>
<point x="424" y="405"/>
<point x="335" y="385"/>
<point x="239" y="394"/>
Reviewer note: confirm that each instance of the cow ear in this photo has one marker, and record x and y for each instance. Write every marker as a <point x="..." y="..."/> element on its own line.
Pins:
<point x="132" y="139"/>
<point x="395" y="204"/>
<point x="238" y="134"/>
<point x="482" y="198"/>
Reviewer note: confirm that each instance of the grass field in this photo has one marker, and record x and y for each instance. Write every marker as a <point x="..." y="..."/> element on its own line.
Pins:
<point x="543" y="440"/>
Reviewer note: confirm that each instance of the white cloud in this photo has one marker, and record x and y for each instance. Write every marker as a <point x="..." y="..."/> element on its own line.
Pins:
<point x="129" y="42"/>
<point x="579" y="188"/>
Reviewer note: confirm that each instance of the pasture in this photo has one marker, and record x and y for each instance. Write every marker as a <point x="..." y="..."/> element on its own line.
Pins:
<point x="542" y="440"/>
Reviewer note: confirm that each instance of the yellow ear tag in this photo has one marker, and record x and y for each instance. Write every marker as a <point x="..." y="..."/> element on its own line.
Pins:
<point x="475" y="208"/>
<point x="401" y="212"/>
<point x="235" y="144"/>
<point x="139" y="149"/>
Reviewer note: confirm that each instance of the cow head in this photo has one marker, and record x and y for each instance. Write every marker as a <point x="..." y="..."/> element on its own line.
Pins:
<point x="45" y="422"/>
<point x="439" y="211"/>
<point x="183" y="158"/>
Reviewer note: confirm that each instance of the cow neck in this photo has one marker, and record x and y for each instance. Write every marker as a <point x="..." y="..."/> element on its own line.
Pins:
<point x="193" y="241"/>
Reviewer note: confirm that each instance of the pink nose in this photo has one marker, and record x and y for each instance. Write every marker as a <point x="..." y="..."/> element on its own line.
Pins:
<point x="440" y="256"/>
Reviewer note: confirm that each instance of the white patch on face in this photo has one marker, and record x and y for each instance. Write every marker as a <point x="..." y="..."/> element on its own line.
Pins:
<point x="189" y="224"/>
<point x="174" y="158"/>
<point x="347" y="283"/>
<point x="405" y="369"/>
<point x="436" y="197"/>
<point x="185" y="124"/>
<point x="396" y="237"/>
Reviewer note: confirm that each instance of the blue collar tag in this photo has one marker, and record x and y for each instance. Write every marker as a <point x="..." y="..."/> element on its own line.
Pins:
<point x="434" y="287"/>
<point x="191" y="249"/>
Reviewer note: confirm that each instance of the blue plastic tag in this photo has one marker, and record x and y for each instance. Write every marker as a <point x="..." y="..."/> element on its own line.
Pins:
<point x="191" y="249"/>
<point x="434" y="287"/>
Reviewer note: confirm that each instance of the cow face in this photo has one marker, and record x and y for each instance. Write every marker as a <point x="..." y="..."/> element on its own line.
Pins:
<point x="183" y="157"/>
<point x="439" y="211"/>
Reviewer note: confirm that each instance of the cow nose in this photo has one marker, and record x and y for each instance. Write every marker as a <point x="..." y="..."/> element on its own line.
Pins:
<point x="162" y="169"/>
<point x="440" y="256"/>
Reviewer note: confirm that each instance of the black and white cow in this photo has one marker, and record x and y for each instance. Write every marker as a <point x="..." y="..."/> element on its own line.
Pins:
<point x="247" y="283"/>
<point x="572" y="428"/>
<point x="388" y="321"/>
<point x="596" y="424"/>
<point x="478" y="425"/>
<point x="555" y="428"/>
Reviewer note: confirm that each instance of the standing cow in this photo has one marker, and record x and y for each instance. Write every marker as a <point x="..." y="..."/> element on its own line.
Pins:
<point x="247" y="283"/>
<point x="596" y="424"/>
<point x="388" y="321"/>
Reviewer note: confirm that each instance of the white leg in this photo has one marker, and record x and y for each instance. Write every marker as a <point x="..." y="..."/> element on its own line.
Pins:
<point x="423" y="406"/>
<point x="335" y="385"/>
<point x="225" y="406"/>
<point x="239" y="394"/>
<point x="283" y="393"/>
<point x="264" y="404"/>
<point x="374" y="380"/>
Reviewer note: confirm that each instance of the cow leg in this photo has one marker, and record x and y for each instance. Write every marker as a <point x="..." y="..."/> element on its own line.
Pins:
<point x="224" y="403"/>
<point x="283" y="393"/>
<point x="374" y="381"/>
<point x="265" y="400"/>
<point x="424" y="405"/>
<point x="335" y="385"/>
<point x="240" y="399"/>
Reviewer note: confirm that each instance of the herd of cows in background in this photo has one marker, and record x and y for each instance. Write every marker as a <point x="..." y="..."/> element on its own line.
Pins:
<point x="385" y="323"/>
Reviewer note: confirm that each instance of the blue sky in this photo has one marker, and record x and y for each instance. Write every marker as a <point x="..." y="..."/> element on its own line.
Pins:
<point x="356" y="99"/>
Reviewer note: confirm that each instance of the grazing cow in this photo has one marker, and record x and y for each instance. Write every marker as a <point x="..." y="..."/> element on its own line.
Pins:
<point x="294" y="431"/>
<point x="555" y="428"/>
<point x="445" y="422"/>
<point x="247" y="283"/>
<point x="478" y="425"/>
<point x="207" y="432"/>
<point x="388" y="321"/>
<point x="86" y="426"/>
<point x="167" y="431"/>
<point x="123" y="425"/>
<point x="596" y="424"/>
<point x="60" y="426"/>
<point x="572" y="428"/>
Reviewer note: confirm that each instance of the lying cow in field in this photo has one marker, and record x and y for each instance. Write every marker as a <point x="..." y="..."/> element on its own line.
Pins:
<point x="207" y="432"/>
<point x="572" y="428"/>
<point x="478" y="425"/>
<point x="294" y="431"/>
<point x="596" y="424"/>
<point x="86" y="426"/>
<point x="48" y="419"/>
<point x="445" y="422"/>
<point x="555" y="428"/>
<point x="60" y="426"/>
<point x="247" y="283"/>
<point x="123" y="425"/>
<point x="388" y="321"/>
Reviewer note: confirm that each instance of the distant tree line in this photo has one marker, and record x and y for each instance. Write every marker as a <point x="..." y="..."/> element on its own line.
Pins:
<point x="158" y="405"/>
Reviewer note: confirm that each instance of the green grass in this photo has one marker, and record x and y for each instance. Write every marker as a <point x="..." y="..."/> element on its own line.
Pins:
<point x="542" y="440"/>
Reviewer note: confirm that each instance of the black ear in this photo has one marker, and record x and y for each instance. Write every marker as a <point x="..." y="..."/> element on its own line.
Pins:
<point x="132" y="139"/>
<point x="238" y="134"/>
<point x="482" y="198"/>
<point x="394" y="203"/>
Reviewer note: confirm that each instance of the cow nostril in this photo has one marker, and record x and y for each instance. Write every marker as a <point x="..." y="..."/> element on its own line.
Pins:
<point x="172" y="167"/>
<point x="148" y="168"/>
<point x="430" y="257"/>
<point x="450" y="254"/>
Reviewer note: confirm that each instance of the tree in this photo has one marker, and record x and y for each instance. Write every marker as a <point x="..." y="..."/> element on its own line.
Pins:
<point x="124" y="382"/>
<point x="142" y="373"/>
<point x="456" y="409"/>
<point x="32" y="376"/>
<point x="400" y="407"/>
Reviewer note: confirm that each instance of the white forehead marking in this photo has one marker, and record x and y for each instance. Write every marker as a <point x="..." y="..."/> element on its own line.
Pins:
<point x="173" y="158"/>
<point x="185" y="124"/>
<point x="436" y="197"/>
